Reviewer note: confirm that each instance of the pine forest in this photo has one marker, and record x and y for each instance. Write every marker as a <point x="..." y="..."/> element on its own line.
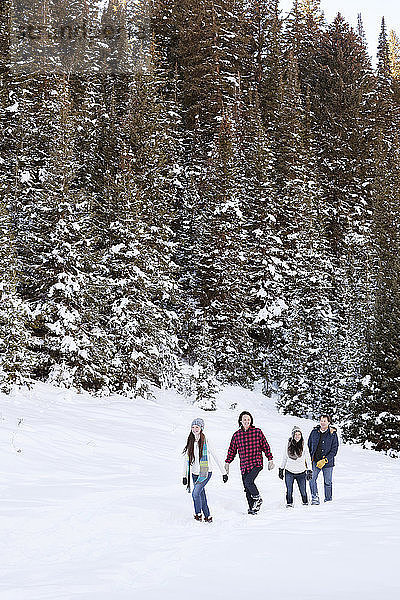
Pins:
<point x="198" y="194"/>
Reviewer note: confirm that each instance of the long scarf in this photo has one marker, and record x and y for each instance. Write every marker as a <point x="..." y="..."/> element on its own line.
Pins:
<point x="203" y="467"/>
<point x="203" y="464"/>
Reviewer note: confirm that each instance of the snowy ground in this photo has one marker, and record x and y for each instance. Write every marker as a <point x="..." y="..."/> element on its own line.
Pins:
<point x="92" y="507"/>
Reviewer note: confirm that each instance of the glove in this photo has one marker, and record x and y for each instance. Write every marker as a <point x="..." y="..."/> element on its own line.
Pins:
<point x="280" y="474"/>
<point x="224" y="478"/>
<point x="308" y="475"/>
<point x="321" y="463"/>
<point x="227" y="468"/>
<point x="184" y="481"/>
<point x="270" y="465"/>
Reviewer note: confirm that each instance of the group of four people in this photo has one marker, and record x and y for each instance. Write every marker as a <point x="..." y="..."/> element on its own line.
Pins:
<point x="300" y="462"/>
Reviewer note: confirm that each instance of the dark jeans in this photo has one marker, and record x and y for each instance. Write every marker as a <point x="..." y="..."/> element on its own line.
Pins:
<point x="199" y="495"/>
<point x="250" y="487"/>
<point x="301" y="482"/>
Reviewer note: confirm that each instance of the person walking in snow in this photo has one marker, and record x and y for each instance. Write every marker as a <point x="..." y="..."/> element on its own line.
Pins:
<point x="323" y="444"/>
<point x="295" y="466"/>
<point x="198" y="465"/>
<point x="250" y="443"/>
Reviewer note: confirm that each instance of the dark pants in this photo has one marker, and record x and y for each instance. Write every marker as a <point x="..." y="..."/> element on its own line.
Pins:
<point x="250" y="487"/>
<point x="301" y="482"/>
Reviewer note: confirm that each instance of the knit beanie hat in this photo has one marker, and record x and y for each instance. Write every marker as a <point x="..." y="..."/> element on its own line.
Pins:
<point x="295" y="449"/>
<point x="198" y="422"/>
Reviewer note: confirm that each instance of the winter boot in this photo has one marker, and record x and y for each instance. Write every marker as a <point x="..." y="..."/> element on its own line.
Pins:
<point x="257" y="503"/>
<point x="198" y="517"/>
<point x="251" y="511"/>
<point x="207" y="519"/>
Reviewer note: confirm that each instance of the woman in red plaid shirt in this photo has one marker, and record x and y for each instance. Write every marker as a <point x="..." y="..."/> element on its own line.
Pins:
<point x="250" y="442"/>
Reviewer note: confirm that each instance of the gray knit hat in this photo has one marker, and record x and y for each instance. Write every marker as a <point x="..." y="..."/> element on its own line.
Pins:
<point x="198" y="422"/>
<point x="295" y="428"/>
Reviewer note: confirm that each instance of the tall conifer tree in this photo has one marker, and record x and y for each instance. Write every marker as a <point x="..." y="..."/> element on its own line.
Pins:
<point x="374" y="410"/>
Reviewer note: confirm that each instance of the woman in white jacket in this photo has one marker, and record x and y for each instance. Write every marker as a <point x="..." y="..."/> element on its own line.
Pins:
<point x="296" y="462"/>
<point x="198" y="466"/>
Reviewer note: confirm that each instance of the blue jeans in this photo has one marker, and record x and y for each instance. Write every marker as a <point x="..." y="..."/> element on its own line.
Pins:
<point x="327" y="472"/>
<point x="301" y="482"/>
<point x="250" y="488"/>
<point x="199" y="495"/>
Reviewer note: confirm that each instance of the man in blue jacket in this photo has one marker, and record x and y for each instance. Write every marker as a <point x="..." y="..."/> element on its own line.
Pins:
<point x="323" y="444"/>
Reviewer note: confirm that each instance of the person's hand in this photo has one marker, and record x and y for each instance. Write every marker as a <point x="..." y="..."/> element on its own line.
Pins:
<point x="270" y="465"/>
<point x="224" y="478"/>
<point x="227" y="468"/>
<point x="184" y="481"/>
<point x="321" y="463"/>
<point x="280" y="474"/>
<point x="308" y="475"/>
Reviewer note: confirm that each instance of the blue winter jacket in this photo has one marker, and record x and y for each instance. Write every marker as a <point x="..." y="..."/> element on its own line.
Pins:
<point x="330" y="444"/>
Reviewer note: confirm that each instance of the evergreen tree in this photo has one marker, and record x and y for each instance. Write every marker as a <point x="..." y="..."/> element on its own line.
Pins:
<point x="361" y="30"/>
<point x="304" y="27"/>
<point x="374" y="410"/>
<point x="266" y="44"/>
<point x="394" y="57"/>
<point x="220" y="273"/>
<point x="14" y="356"/>
<point x="344" y="120"/>
<point x="13" y="313"/>
<point x="204" y="58"/>
<point x="263" y="246"/>
<point x="61" y="306"/>
<point x="303" y="365"/>
<point x="142" y="324"/>
<point x="394" y="54"/>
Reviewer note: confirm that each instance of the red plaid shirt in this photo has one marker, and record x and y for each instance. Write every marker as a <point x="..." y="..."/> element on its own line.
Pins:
<point x="250" y="444"/>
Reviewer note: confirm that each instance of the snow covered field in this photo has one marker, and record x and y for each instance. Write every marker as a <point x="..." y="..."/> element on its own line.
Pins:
<point x="92" y="507"/>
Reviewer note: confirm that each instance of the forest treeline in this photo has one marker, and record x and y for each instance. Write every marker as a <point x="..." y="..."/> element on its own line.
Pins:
<point x="199" y="193"/>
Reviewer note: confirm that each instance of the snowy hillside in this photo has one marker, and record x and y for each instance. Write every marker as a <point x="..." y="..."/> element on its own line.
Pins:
<point x="93" y="508"/>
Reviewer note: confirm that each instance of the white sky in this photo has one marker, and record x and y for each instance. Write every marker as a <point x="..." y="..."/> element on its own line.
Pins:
<point x="372" y="12"/>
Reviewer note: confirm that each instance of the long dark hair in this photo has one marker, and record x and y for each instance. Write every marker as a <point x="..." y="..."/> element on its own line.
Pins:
<point x="245" y="412"/>
<point x="189" y="448"/>
<point x="295" y="448"/>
